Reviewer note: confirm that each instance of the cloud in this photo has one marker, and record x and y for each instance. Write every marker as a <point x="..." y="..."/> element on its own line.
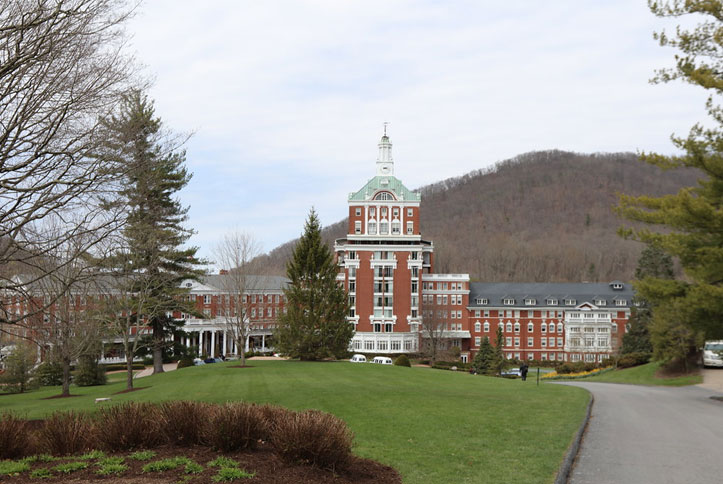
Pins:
<point x="287" y="98"/>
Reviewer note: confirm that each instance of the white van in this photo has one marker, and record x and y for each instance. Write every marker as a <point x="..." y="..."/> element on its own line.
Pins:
<point x="713" y="353"/>
<point x="382" y="360"/>
<point x="358" y="359"/>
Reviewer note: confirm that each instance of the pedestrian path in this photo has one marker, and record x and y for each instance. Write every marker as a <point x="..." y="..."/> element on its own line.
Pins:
<point x="149" y="369"/>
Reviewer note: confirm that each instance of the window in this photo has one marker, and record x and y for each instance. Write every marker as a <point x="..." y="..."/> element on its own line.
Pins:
<point x="600" y="302"/>
<point x="487" y="327"/>
<point x="509" y="327"/>
<point x="396" y="228"/>
<point x="543" y="342"/>
<point x="410" y="212"/>
<point x="621" y="302"/>
<point x="508" y="301"/>
<point x="559" y="342"/>
<point x="517" y="327"/>
<point x="268" y="312"/>
<point x="369" y="345"/>
<point x="551" y="301"/>
<point x="454" y="314"/>
<point x="482" y="300"/>
<point x="477" y="327"/>
<point x="410" y="228"/>
<point x="384" y="228"/>
<point x="530" y="302"/>
<point x="372" y="228"/>
<point x="552" y="327"/>
<point x="253" y="298"/>
<point x="477" y="340"/>
<point x="206" y="299"/>
<point x="396" y="345"/>
<point x="372" y="211"/>
<point x="508" y="341"/>
<point x="570" y="302"/>
<point x="517" y="342"/>
<point x="357" y="211"/>
<point x="614" y="328"/>
<point x="487" y="313"/>
<point x="357" y="344"/>
<point x="559" y="327"/>
<point x="253" y="312"/>
<point x="395" y="212"/>
<point x="384" y="211"/>
<point x="530" y="341"/>
<point x="530" y="327"/>
<point x="357" y="227"/>
<point x="551" y="342"/>
<point x="383" y="196"/>
<point x="459" y="314"/>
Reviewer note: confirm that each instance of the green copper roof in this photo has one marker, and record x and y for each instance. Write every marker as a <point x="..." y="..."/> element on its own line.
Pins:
<point x="389" y="183"/>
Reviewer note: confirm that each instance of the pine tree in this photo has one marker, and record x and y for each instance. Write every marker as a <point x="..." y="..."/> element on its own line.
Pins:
<point x="314" y="325"/>
<point x="687" y="311"/>
<point x="155" y="261"/>
<point x="499" y="354"/>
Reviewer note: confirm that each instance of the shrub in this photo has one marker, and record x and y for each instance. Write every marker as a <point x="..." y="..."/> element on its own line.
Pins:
<point x="235" y="426"/>
<point x="49" y="374"/>
<point x="142" y="455"/>
<point x="19" y="368"/>
<point x="313" y="437"/>
<point x="111" y="469"/>
<point x="222" y="461"/>
<point x="182" y="423"/>
<point x="66" y="433"/>
<point x="633" y="359"/>
<point x="402" y="360"/>
<point x="271" y="414"/>
<point x="185" y="362"/>
<point x="14" y="436"/>
<point x="128" y="426"/>
<point x="89" y="372"/>
<point x="166" y="464"/>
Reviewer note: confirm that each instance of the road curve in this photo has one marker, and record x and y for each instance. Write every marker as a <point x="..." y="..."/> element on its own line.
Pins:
<point x="640" y="435"/>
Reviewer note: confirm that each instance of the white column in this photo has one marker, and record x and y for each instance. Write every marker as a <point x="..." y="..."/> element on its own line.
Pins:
<point x="212" y="354"/>
<point x="263" y="342"/>
<point x="200" y="343"/>
<point x="224" y="350"/>
<point x="247" y="344"/>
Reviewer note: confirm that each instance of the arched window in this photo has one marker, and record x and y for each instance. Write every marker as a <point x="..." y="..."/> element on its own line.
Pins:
<point x="530" y="327"/>
<point x="517" y="327"/>
<point x="509" y="327"/>
<point x="384" y="196"/>
<point x="559" y="327"/>
<point x="502" y="326"/>
<point x="487" y="327"/>
<point x="477" y="327"/>
<point x="552" y="327"/>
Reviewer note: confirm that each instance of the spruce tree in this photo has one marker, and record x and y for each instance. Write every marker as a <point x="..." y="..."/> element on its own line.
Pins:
<point x="155" y="261"/>
<point x="484" y="360"/>
<point x="499" y="354"/>
<point x="689" y="222"/>
<point x="314" y="325"/>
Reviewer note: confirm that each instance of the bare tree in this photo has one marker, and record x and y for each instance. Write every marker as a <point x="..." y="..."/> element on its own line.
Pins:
<point x="434" y="332"/>
<point x="62" y="67"/>
<point x="234" y="254"/>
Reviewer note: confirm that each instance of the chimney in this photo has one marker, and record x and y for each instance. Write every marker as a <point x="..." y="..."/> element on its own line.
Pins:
<point x="223" y="272"/>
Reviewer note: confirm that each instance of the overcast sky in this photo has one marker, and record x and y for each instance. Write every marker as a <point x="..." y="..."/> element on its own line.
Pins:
<point x="287" y="98"/>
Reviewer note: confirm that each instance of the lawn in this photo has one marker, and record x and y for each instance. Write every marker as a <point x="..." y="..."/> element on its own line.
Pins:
<point x="645" y="375"/>
<point x="434" y="426"/>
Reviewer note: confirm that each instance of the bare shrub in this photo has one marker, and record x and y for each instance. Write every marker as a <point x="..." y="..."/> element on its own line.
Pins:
<point x="313" y="438"/>
<point x="182" y="423"/>
<point x="271" y="414"/>
<point x="129" y="426"/>
<point x="66" y="433"/>
<point x="234" y="426"/>
<point x="14" y="436"/>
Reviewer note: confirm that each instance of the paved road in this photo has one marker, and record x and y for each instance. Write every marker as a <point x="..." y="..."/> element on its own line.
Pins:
<point x="658" y="435"/>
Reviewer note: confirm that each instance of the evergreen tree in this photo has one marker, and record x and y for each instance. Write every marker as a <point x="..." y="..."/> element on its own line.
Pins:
<point x="19" y="367"/>
<point x="155" y="261"/>
<point x="654" y="262"/>
<point x="637" y="337"/>
<point x="314" y="325"/>
<point x="484" y="360"/>
<point x="499" y="354"/>
<point x="685" y="312"/>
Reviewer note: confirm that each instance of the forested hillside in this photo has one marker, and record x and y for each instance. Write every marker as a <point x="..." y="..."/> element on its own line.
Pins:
<point x="542" y="216"/>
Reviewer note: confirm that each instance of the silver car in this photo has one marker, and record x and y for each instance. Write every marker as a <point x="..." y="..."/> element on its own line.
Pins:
<point x="713" y="353"/>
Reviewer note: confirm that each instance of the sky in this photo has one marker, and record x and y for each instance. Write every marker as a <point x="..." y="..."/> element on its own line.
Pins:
<point x="287" y="99"/>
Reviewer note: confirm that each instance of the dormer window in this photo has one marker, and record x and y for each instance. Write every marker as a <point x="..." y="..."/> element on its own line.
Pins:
<point x="600" y="302"/>
<point x="383" y="196"/>
<point x="530" y="302"/>
<point x="508" y="301"/>
<point x="617" y="285"/>
<point x="621" y="302"/>
<point x="551" y="301"/>
<point x="482" y="300"/>
<point x="570" y="302"/>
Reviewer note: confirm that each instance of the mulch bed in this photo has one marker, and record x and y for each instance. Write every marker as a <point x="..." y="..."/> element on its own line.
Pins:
<point x="269" y="468"/>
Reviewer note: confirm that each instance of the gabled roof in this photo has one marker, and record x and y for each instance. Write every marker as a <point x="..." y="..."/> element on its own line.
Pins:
<point x="385" y="183"/>
<point x="253" y="283"/>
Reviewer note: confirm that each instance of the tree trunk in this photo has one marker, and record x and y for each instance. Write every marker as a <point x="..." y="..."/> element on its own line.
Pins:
<point x="129" y="371"/>
<point x="66" y="378"/>
<point x="241" y="345"/>
<point x="157" y="350"/>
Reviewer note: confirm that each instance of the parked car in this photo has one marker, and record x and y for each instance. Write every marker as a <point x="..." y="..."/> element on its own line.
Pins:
<point x="713" y="353"/>
<point x="198" y="362"/>
<point x="511" y="372"/>
<point x="358" y="359"/>
<point x="382" y="360"/>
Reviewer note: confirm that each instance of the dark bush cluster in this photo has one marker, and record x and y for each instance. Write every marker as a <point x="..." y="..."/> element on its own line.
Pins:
<point x="447" y="365"/>
<point x="633" y="359"/>
<point x="576" y="367"/>
<point x="310" y="437"/>
<point x="122" y="366"/>
<point x="402" y="360"/>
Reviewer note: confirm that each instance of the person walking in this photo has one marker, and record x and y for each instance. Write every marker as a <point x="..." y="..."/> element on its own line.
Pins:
<point x="523" y="371"/>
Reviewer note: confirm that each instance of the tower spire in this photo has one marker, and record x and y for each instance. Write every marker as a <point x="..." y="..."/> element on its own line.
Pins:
<point x="385" y="163"/>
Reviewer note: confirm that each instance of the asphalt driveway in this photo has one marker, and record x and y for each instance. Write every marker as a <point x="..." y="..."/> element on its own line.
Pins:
<point x="651" y="435"/>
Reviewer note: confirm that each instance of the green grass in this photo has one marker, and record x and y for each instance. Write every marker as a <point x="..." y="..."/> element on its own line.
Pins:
<point x="433" y="426"/>
<point x="166" y="464"/>
<point x="41" y="473"/>
<point x="111" y="469"/>
<point x="70" y="467"/>
<point x="222" y="461"/>
<point x="12" y="468"/>
<point x="142" y="455"/>
<point x="228" y="474"/>
<point x="644" y="375"/>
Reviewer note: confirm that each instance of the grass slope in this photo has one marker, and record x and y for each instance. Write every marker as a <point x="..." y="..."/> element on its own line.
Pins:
<point x="645" y="375"/>
<point x="434" y="426"/>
